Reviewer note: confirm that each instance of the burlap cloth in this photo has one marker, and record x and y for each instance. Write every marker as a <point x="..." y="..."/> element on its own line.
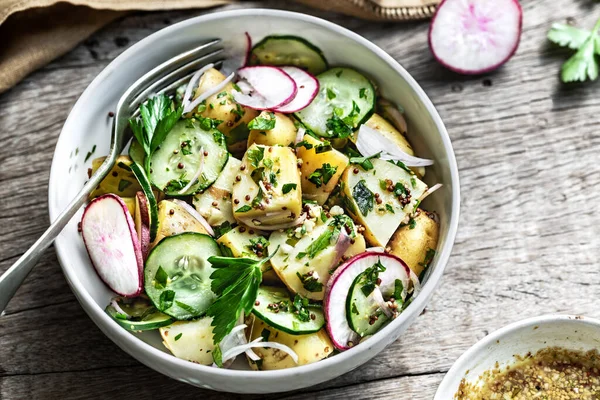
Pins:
<point x="34" y="32"/>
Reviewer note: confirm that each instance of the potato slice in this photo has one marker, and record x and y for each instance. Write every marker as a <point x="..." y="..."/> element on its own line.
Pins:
<point x="119" y="181"/>
<point x="388" y="130"/>
<point x="268" y="191"/>
<point x="292" y="266"/>
<point x="214" y="204"/>
<point x="416" y="242"/>
<point x="221" y="106"/>
<point x="130" y="203"/>
<point x="174" y="219"/>
<point x="283" y="133"/>
<point x="367" y="198"/>
<point x="318" y="187"/>
<point x="309" y="348"/>
<point x="190" y="340"/>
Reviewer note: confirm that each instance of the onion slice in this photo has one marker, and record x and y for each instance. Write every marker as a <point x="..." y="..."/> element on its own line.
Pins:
<point x="117" y="307"/>
<point x="430" y="190"/>
<point x="391" y="112"/>
<point x="192" y="181"/>
<point x="191" y="106"/>
<point x="193" y="82"/>
<point x="258" y="343"/>
<point x="377" y="297"/>
<point x="285" y="225"/>
<point x="192" y="211"/>
<point x="370" y="142"/>
<point x="342" y="244"/>
<point x="300" y="135"/>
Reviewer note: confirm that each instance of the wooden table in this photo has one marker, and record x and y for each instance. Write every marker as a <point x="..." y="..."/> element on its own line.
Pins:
<point x="528" y="242"/>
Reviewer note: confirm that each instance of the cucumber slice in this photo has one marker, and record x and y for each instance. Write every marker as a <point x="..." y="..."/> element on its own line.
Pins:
<point x="182" y="148"/>
<point x="177" y="274"/>
<point x="345" y="97"/>
<point x="361" y="310"/>
<point x="288" y="50"/>
<point x="136" y="152"/>
<point x="285" y="319"/>
<point x="140" y="314"/>
<point x="140" y="175"/>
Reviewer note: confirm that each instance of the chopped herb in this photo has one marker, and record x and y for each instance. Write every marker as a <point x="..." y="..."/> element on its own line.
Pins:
<point x="221" y="95"/>
<point x="186" y="307"/>
<point x="218" y="356"/>
<point x="413" y="182"/>
<point x="186" y="148"/>
<point x="258" y="244"/>
<point x="354" y="309"/>
<point x="235" y="281"/>
<point x="243" y="209"/>
<point x="300" y="308"/>
<point x="337" y="127"/>
<point x="398" y="289"/>
<point x="161" y="277"/>
<point x="265" y="124"/>
<point x="225" y="251"/>
<point x="166" y="300"/>
<point x="350" y="119"/>
<point x="309" y="282"/>
<point x="323" y="217"/>
<point x="318" y="245"/>
<point x="390" y="208"/>
<point x="124" y="184"/>
<point x="156" y="120"/>
<point x="273" y="179"/>
<point x="255" y="156"/>
<point x="365" y="162"/>
<point x="288" y="187"/>
<point x="239" y="112"/>
<point x="176" y="185"/>
<point x="339" y="73"/>
<point x="330" y="94"/>
<point x="363" y="197"/>
<point x="370" y="276"/>
<point x="304" y="144"/>
<point x="267" y="162"/>
<point x="265" y="334"/>
<point x="222" y="229"/>
<point x="429" y="254"/>
<point x="258" y="199"/>
<point x="323" y="148"/>
<point x="89" y="154"/>
<point x="178" y="336"/>
<point x="412" y="223"/>
<point x="236" y="87"/>
<point x="208" y="124"/>
<point x="361" y="93"/>
<point x="323" y="175"/>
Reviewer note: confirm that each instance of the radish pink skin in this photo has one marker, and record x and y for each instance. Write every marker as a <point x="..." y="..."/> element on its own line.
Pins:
<point x="312" y="96"/>
<point x="134" y="239"/>
<point x="333" y="279"/>
<point x="279" y="70"/>
<point x="485" y="70"/>
<point x="248" y="49"/>
<point x="144" y="235"/>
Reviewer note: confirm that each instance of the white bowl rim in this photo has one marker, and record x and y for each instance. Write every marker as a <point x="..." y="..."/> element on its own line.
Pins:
<point x="498" y="335"/>
<point x="135" y="345"/>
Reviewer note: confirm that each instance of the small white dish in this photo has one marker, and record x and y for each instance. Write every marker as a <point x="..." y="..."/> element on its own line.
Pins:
<point x="88" y="126"/>
<point x="520" y="338"/>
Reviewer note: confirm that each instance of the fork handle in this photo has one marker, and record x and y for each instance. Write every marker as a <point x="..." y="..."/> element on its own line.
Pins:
<point x="13" y="278"/>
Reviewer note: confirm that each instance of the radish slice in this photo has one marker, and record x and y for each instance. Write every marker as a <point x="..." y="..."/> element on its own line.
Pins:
<point x="370" y="142"/>
<point x="338" y="288"/>
<point x="270" y="87"/>
<point x="248" y="48"/>
<point x="475" y="36"/>
<point x="142" y="222"/>
<point x="237" y="50"/>
<point x="112" y="243"/>
<point x="308" y="87"/>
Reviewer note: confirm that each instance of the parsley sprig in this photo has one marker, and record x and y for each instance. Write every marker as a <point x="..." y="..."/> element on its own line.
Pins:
<point x="157" y="118"/>
<point x="584" y="63"/>
<point x="235" y="281"/>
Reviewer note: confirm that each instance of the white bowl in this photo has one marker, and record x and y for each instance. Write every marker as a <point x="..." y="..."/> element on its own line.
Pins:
<point x="88" y="125"/>
<point x="530" y="335"/>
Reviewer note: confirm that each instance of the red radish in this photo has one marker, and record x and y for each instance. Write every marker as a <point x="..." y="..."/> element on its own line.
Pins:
<point x="248" y="49"/>
<point x="237" y="50"/>
<point x="338" y="288"/>
<point x="475" y="36"/>
<point x="113" y="246"/>
<point x="308" y="87"/>
<point x="265" y="87"/>
<point x="142" y="222"/>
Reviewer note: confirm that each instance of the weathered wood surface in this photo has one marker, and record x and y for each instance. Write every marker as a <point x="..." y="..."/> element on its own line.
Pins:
<point x="528" y="242"/>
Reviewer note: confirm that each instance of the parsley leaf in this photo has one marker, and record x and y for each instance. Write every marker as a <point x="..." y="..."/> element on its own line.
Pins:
<point x="322" y="176"/>
<point x="157" y="118"/>
<point x="337" y="127"/>
<point x="364" y="162"/>
<point x="363" y="197"/>
<point x="330" y="94"/>
<point x="263" y="124"/>
<point x="288" y="187"/>
<point x="370" y="276"/>
<point x="309" y="282"/>
<point x="235" y="281"/>
<point x="243" y="209"/>
<point x="304" y="143"/>
<point x="318" y="245"/>
<point x="300" y="308"/>
<point x="583" y="64"/>
<point x="255" y="156"/>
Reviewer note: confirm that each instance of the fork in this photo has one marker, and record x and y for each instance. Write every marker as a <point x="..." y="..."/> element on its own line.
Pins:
<point x="165" y="78"/>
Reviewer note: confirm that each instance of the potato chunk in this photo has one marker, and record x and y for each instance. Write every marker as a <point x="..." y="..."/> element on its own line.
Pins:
<point x="119" y="181"/>
<point x="268" y="190"/>
<point x="321" y="170"/>
<point x="190" y="340"/>
<point x="174" y="219"/>
<point x="283" y="132"/>
<point x="214" y="204"/>
<point x="367" y="197"/>
<point x="415" y="243"/>
<point x="309" y="348"/>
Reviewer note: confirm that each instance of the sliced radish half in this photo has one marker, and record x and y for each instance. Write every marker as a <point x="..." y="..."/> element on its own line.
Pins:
<point x="142" y="222"/>
<point x="475" y="36"/>
<point x="265" y="87"/>
<point x="112" y="243"/>
<point x="308" y="87"/>
<point x="237" y="50"/>
<point x="339" y="286"/>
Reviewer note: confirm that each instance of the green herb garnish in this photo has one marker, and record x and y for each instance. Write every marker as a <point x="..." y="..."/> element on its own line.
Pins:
<point x="365" y="162"/>
<point x="309" y="282"/>
<point x="263" y="124"/>
<point x="370" y="277"/>
<point x="288" y="187"/>
<point x="363" y="197"/>
<point x="255" y="156"/>
<point x="243" y="209"/>
<point x="323" y="175"/>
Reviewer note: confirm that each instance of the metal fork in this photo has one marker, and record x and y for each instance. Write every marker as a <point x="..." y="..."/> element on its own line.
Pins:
<point x="165" y="78"/>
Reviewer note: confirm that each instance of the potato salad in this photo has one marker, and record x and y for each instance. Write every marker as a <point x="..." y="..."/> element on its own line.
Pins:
<point x="271" y="213"/>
